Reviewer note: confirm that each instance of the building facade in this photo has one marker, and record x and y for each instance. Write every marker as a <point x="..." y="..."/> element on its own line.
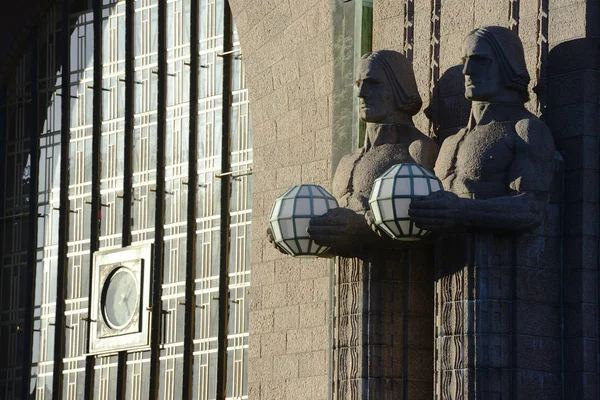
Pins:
<point x="113" y="137"/>
<point x="122" y="104"/>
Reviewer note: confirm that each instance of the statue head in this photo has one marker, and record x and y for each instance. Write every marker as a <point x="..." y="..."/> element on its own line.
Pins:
<point x="387" y="89"/>
<point x="494" y="65"/>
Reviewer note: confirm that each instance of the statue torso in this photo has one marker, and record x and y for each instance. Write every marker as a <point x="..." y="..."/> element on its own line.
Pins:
<point x="476" y="162"/>
<point x="356" y="173"/>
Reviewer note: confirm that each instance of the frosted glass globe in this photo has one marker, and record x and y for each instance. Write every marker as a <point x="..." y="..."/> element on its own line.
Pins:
<point x="290" y="216"/>
<point x="392" y="194"/>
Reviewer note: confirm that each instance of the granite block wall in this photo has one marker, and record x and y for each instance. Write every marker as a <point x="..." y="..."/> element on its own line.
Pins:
<point x="287" y="49"/>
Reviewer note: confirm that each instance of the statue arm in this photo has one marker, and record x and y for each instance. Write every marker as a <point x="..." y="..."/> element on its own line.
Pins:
<point x="529" y="178"/>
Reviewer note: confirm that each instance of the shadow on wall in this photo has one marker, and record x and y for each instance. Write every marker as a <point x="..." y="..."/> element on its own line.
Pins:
<point x="449" y="109"/>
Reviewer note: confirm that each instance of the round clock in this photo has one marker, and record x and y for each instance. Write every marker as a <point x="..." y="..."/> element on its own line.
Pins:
<point x="119" y="298"/>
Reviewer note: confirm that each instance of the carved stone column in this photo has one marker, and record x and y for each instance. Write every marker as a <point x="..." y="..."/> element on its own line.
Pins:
<point x="497" y="312"/>
<point x="383" y="327"/>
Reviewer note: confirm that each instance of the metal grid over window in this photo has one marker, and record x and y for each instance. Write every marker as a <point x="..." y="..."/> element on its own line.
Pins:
<point x="107" y="167"/>
<point x="80" y="195"/>
<point x="113" y="122"/>
<point x="145" y="118"/>
<point x="14" y="226"/>
<point x="239" y="248"/>
<point x="209" y="200"/>
<point x="48" y="193"/>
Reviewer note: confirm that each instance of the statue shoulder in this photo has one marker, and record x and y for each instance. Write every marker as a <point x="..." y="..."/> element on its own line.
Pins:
<point x="532" y="128"/>
<point x="423" y="150"/>
<point x="535" y="134"/>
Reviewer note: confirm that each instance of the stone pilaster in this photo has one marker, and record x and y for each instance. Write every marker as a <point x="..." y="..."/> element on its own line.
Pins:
<point x="383" y="327"/>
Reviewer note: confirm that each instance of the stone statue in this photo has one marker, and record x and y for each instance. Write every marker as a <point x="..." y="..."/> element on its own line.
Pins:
<point x="384" y="288"/>
<point x="497" y="313"/>
<point x="388" y="99"/>
<point x="498" y="170"/>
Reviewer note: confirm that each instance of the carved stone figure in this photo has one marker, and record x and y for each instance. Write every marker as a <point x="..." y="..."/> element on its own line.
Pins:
<point x="498" y="331"/>
<point x="383" y="321"/>
<point x="498" y="170"/>
<point x="388" y="98"/>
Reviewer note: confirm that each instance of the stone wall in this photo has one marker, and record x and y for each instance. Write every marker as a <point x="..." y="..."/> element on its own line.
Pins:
<point x="287" y="49"/>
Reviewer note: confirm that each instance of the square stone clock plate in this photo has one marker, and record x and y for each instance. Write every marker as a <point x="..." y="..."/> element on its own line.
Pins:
<point x="120" y="298"/>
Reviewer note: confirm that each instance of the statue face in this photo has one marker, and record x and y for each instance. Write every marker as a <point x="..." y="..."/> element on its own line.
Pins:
<point x="375" y="97"/>
<point x="483" y="81"/>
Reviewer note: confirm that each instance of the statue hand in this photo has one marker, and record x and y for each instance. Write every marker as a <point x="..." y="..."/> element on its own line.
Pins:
<point x="370" y="218"/>
<point x="339" y="228"/>
<point x="272" y="241"/>
<point x="440" y="210"/>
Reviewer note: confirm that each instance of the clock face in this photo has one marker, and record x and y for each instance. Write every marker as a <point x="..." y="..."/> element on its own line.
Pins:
<point x="119" y="298"/>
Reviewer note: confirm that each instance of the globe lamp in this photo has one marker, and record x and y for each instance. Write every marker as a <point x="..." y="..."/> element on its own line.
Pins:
<point x="291" y="214"/>
<point x="392" y="194"/>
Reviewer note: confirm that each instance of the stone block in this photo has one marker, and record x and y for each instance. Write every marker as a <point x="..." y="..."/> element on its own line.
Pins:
<point x="321" y="338"/>
<point x="387" y="9"/>
<point x="493" y="383"/>
<point x="566" y="23"/>
<point x="537" y="354"/>
<point x="350" y="298"/>
<point x="313" y="364"/>
<point x="285" y="366"/>
<point x="536" y="251"/>
<point x="581" y="186"/>
<point x="579" y="152"/>
<point x="273" y="344"/>
<point x="299" y="340"/>
<point x="274" y="296"/>
<point x="262" y="274"/>
<point x="272" y="390"/>
<point x="389" y="34"/>
<point x="254" y="346"/>
<point x="261" y="321"/>
<point x="349" y="331"/>
<point x="419" y="390"/>
<point x="311" y="268"/>
<point x="299" y="292"/>
<point x="537" y="285"/>
<point x="572" y="120"/>
<point x="317" y="172"/>
<point x="537" y="385"/>
<point x="581" y="386"/>
<point x="420" y="331"/>
<point x="286" y="318"/>
<point x="581" y="355"/>
<point x="580" y="286"/>
<point x="322" y="289"/>
<point x="385" y="329"/>
<point x="580" y="219"/>
<point x="489" y="13"/>
<point x="580" y="252"/>
<point x="420" y="298"/>
<point x="285" y="71"/>
<point x="575" y="87"/>
<point x="287" y="270"/>
<point x="537" y="319"/>
<point x="289" y="125"/>
<point x="261" y="368"/>
<point x="313" y="314"/>
<point x="580" y="320"/>
<point x="492" y="316"/>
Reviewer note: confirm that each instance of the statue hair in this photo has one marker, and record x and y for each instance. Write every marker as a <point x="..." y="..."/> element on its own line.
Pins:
<point x="401" y="78"/>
